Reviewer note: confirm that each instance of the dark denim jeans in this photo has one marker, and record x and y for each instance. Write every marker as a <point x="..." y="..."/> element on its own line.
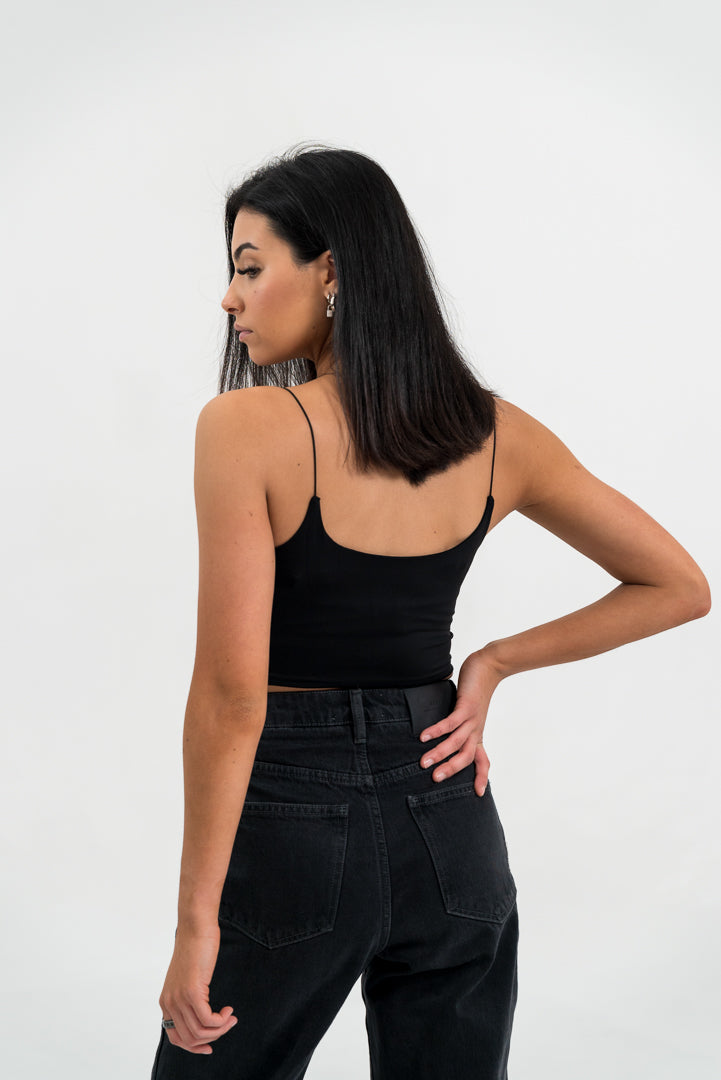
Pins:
<point x="351" y="862"/>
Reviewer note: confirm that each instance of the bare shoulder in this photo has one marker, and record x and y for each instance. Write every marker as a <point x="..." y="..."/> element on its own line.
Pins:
<point x="535" y="457"/>
<point x="231" y="439"/>
<point x="248" y="403"/>
<point x="557" y="492"/>
<point x="240" y="415"/>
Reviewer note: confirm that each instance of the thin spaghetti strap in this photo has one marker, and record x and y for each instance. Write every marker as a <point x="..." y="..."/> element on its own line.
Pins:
<point x="493" y="460"/>
<point x="311" y="435"/>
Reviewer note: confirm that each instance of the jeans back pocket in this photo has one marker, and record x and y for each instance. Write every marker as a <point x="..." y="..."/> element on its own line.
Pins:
<point x="286" y="868"/>
<point x="467" y="845"/>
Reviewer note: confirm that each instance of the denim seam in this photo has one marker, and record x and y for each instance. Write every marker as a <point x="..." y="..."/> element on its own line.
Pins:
<point x="361" y="779"/>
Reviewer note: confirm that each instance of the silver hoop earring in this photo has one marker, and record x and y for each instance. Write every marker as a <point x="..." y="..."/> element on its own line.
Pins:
<point x="330" y="310"/>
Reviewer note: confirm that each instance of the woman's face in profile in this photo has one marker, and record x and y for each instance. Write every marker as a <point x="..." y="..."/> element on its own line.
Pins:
<point x="281" y="305"/>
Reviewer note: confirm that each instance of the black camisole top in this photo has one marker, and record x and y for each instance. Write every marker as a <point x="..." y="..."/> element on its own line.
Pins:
<point x="351" y="618"/>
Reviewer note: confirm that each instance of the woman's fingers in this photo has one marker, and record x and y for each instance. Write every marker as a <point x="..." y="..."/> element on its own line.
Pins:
<point x="208" y="1026"/>
<point x="482" y="767"/>
<point x="449" y="723"/>
<point x="452" y="723"/>
<point x="195" y="1032"/>
<point x="207" y="1022"/>
<point x="181" y="1035"/>
<point x="464" y="725"/>
<point x="464" y="744"/>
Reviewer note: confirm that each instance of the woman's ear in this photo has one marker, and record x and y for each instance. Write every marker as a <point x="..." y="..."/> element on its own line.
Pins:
<point x="328" y="268"/>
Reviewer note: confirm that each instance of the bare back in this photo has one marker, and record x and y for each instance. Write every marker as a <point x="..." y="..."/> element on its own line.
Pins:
<point x="375" y="513"/>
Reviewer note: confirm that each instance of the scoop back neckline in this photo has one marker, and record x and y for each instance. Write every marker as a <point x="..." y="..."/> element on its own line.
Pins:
<point x="379" y="555"/>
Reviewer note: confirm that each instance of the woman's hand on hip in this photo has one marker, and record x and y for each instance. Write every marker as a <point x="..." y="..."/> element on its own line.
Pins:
<point x="477" y="680"/>
<point x="186" y="992"/>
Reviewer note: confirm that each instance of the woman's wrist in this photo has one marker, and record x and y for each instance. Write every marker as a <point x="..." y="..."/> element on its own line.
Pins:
<point x="490" y="654"/>
<point x="197" y="908"/>
<point x="197" y="923"/>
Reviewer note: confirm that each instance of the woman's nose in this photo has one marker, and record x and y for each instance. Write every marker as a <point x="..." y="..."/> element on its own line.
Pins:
<point x="229" y="302"/>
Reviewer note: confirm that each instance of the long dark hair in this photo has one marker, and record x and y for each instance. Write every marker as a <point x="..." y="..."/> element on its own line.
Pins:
<point x="411" y="401"/>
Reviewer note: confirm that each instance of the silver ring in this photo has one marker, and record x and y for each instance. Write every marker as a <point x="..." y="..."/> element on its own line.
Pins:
<point x="168" y="1023"/>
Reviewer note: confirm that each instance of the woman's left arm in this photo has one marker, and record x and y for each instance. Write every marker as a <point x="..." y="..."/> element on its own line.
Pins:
<point x="227" y="701"/>
<point x="661" y="585"/>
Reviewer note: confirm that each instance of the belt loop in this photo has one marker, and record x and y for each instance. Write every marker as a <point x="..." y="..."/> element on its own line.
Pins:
<point x="359" y="723"/>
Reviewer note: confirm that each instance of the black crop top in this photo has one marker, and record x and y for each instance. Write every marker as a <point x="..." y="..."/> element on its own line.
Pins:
<point x="351" y="618"/>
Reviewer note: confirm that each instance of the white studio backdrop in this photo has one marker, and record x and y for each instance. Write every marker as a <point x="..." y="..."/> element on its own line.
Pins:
<point x="562" y="162"/>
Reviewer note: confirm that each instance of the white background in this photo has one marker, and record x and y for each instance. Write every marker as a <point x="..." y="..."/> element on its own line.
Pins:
<point x="562" y="161"/>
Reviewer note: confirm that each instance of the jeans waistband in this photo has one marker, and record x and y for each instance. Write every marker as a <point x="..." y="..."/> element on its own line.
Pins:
<point x="358" y="706"/>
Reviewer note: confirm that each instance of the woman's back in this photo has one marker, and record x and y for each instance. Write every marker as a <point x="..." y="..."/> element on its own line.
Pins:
<point x="372" y="513"/>
<point x="371" y="599"/>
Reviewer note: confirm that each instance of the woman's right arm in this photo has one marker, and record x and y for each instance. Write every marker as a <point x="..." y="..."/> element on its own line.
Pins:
<point x="661" y="585"/>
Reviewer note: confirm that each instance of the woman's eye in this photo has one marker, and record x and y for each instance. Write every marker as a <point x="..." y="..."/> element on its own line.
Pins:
<point x="249" y="270"/>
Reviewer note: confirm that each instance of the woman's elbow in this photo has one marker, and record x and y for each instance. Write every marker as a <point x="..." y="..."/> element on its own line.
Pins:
<point x="696" y="599"/>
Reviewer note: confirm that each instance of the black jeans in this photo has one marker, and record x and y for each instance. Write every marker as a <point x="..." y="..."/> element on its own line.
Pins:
<point x="351" y="862"/>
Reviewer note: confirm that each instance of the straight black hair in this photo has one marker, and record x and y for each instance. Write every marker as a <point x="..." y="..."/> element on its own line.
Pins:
<point x="412" y="402"/>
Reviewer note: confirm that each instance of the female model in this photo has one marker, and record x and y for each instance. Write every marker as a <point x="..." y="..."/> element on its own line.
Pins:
<point x="337" y="520"/>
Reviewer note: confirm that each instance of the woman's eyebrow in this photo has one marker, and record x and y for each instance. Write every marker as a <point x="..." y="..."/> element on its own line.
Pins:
<point x="241" y="248"/>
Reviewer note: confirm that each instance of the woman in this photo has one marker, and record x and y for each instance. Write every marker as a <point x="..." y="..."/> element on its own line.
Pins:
<point x="323" y="843"/>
